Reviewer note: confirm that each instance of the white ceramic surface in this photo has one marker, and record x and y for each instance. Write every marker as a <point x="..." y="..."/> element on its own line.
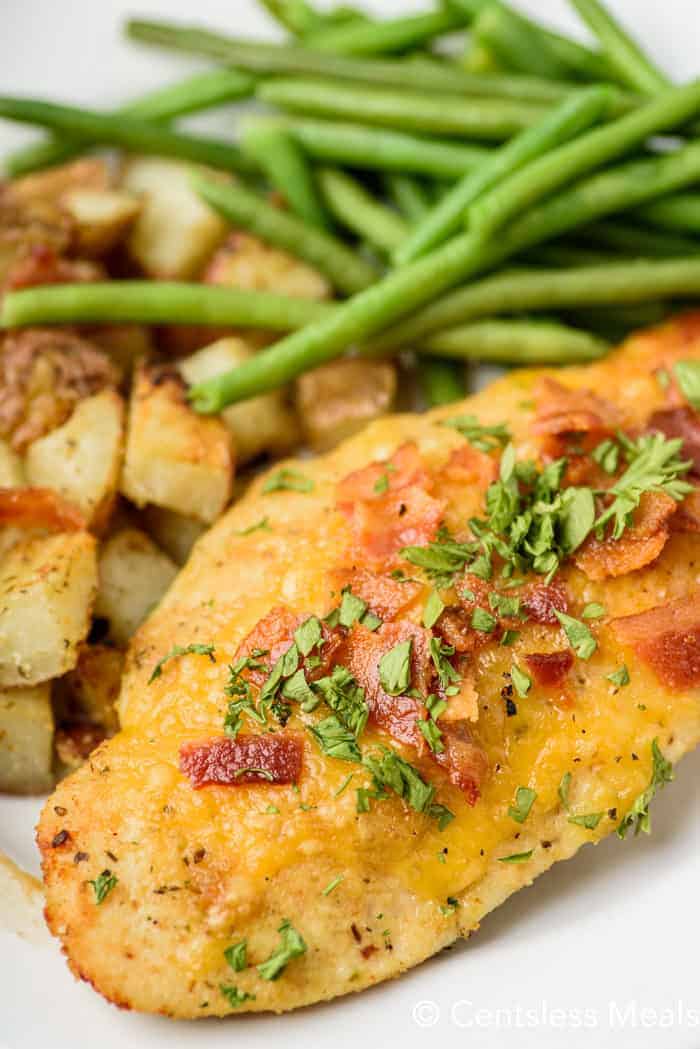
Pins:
<point x="600" y="951"/>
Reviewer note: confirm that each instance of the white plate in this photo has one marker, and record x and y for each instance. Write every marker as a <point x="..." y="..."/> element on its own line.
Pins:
<point x="600" y="951"/>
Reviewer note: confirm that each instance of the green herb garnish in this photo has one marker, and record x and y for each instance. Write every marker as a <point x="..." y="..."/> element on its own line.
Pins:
<point x="179" y="650"/>
<point x="563" y="790"/>
<point x="237" y="956"/>
<point x="395" y="668"/>
<point x="263" y="525"/>
<point x="579" y="636"/>
<point x="291" y="946"/>
<point x="286" y="480"/>
<point x="332" y="885"/>
<point x="593" y="611"/>
<point x="485" y="438"/>
<point x="688" y="377"/>
<point x="235" y="997"/>
<point x="589" y="820"/>
<point x="517" y="857"/>
<point x="103" y="885"/>
<point x="346" y="698"/>
<point x="352" y="609"/>
<point x="522" y="682"/>
<point x="620" y="677"/>
<point x="638" y="816"/>
<point x="434" y="608"/>
<point x="524" y="800"/>
<point x="335" y="739"/>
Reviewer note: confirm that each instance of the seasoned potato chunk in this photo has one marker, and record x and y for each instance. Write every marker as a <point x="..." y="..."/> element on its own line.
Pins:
<point x="261" y="424"/>
<point x="26" y="740"/>
<point x="47" y="588"/>
<point x="101" y="217"/>
<point x="173" y="532"/>
<point x="43" y="189"/>
<point x="81" y="460"/>
<point x="134" y="575"/>
<point x="90" y="691"/>
<point x="175" y="232"/>
<point x="245" y="261"/>
<point x="338" y="399"/>
<point x="174" y="457"/>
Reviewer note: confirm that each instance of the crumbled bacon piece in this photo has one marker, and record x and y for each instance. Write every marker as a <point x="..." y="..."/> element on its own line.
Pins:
<point x="571" y="423"/>
<point x="274" y="634"/>
<point x="463" y="758"/>
<point x="540" y="600"/>
<point x="550" y="668"/>
<point x="389" y="507"/>
<point x="247" y="759"/>
<point x="637" y="547"/>
<point x="668" y="639"/>
<point x="39" y="508"/>
<point x="468" y="465"/>
<point x="683" y="423"/>
<point x="361" y="653"/>
<point x="687" y="516"/>
<point x="385" y="596"/>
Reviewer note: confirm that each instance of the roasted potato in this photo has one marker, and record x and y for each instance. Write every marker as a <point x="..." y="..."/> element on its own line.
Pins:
<point x="174" y="457"/>
<point x="133" y="576"/>
<point x="81" y="460"/>
<point x="173" y="532"/>
<point x="245" y="261"/>
<point x="175" y="232"/>
<point x="47" y="588"/>
<point x="90" y="691"/>
<point x="101" y="217"/>
<point x="46" y="189"/>
<point x="26" y="740"/>
<point x="261" y="424"/>
<point x="339" y="398"/>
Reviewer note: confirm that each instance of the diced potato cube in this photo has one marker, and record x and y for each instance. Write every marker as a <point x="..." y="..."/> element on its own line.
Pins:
<point x="175" y="232"/>
<point x="52" y="184"/>
<point x="134" y="575"/>
<point x="11" y="468"/>
<point x="339" y="398"/>
<point x="174" y="457"/>
<point x="173" y="532"/>
<point x="261" y="424"/>
<point x="90" y="691"/>
<point x="47" y="587"/>
<point x="246" y="262"/>
<point x="101" y="217"/>
<point x="26" y="740"/>
<point x="81" y="460"/>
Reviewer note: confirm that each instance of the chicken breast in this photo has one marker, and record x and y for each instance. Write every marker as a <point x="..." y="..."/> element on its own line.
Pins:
<point x="259" y="838"/>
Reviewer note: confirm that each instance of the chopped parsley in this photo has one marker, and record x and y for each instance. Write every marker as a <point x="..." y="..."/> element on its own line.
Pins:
<point x="607" y="456"/>
<point x="522" y="682"/>
<point x="620" y="677"/>
<point x="179" y="650"/>
<point x="299" y="691"/>
<point x="593" y="611"/>
<point x="103" y="885"/>
<point x="291" y="946"/>
<point x="233" y="996"/>
<point x="688" y="377"/>
<point x="504" y="605"/>
<point x="286" y="480"/>
<point x="352" y="609"/>
<point x="237" y="956"/>
<point x="485" y="438"/>
<point x="563" y="790"/>
<point x="524" y="800"/>
<point x="434" y="608"/>
<point x="332" y="885"/>
<point x="395" y="668"/>
<point x="335" y="739"/>
<point x="589" y="820"/>
<point x="263" y="525"/>
<point x="579" y="636"/>
<point x="483" y="621"/>
<point x="638" y="816"/>
<point x="391" y="772"/>
<point x="308" y="635"/>
<point x="442" y="559"/>
<point x="343" y="785"/>
<point x="439" y="652"/>
<point x="432" y="734"/>
<point x="370" y="621"/>
<point x="346" y="698"/>
<point x="509" y="637"/>
<point x="381" y="485"/>
<point x="517" y="857"/>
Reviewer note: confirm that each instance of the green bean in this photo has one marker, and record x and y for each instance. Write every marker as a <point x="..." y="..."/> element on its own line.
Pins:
<point x="242" y="207"/>
<point x="198" y="92"/>
<point x="357" y="210"/>
<point x="517" y="342"/>
<point x="478" y="58"/>
<point x="632" y="66"/>
<point x="486" y="118"/>
<point x="591" y="150"/>
<point x="564" y="253"/>
<point x="381" y="38"/>
<point x="417" y="75"/>
<point x="441" y="380"/>
<point x="515" y="43"/>
<point x="527" y="290"/>
<point x="633" y="240"/>
<point x="156" y="302"/>
<point x="295" y="15"/>
<point x="557" y="126"/>
<point x="113" y="129"/>
<point x="279" y="155"/>
<point x="379" y="149"/>
<point x="616" y="322"/>
<point x="374" y="309"/>
<point x="680" y="213"/>
<point x="409" y="195"/>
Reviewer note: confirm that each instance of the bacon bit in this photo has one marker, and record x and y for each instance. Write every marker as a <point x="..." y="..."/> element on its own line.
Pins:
<point x="401" y="513"/>
<point x="274" y="633"/>
<point x="468" y="465"/>
<point x="550" y="668"/>
<point x="668" y="639"/>
<point x="39" y="508"/>
<point x="572" y="423"/>
<point x="687" y="516"/>
<point x="637" y="547"/>
<point x="246" y="759"/>
<point x="683" y="423"/>
<point x="361" y="653"/>
<point x="463" y="758"/>
<point x="539" y="601"/>
<point x="385" y="596"/>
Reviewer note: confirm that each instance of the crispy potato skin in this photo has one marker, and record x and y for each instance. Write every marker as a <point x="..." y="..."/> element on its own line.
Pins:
<point x="199" y="870"/>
